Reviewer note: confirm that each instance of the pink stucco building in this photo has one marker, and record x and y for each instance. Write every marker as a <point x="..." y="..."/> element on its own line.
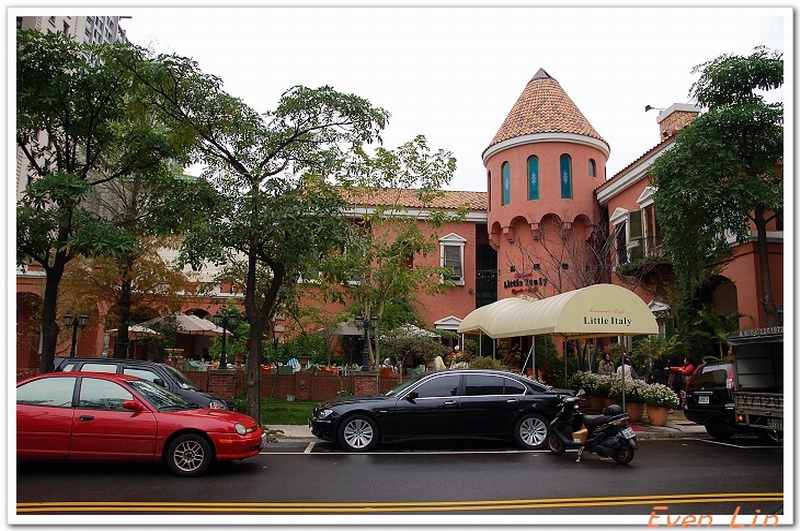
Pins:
<point x="547" y="196"/>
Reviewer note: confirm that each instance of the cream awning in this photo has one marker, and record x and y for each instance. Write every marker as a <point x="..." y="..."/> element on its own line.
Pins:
<point x="600" y="310"/>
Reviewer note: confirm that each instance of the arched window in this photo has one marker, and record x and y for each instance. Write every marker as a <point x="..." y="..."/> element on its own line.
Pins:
<point x="592" y="168"/>
<point x="566" y="177"/>
<point x="506" y="171"/>
<point x="533" y="177"/>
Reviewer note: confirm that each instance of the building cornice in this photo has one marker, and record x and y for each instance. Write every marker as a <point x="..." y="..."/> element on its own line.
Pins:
<point x="537" y="138"/>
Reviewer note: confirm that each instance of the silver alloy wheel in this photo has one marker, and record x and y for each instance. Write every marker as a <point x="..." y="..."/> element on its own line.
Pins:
<point x="533" y="431"/>
<point x="189" y="455"/>
<point x="358" y="433"/>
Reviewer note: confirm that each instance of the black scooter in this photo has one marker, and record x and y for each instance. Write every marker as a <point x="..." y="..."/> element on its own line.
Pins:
<point x="607" y="434"/>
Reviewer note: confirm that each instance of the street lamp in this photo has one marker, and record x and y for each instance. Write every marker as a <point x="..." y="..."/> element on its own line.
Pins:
<point x="226" y="320"/>
<point x="75" y="322"/>
<point x="365" y="324"/>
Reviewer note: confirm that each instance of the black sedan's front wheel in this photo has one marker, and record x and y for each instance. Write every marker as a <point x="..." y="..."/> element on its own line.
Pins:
<point x="530" y="432"/>
<point x="358" y="433"/>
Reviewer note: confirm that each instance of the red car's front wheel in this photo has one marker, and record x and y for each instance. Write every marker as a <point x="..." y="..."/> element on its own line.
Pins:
<point x="189" y="455"/>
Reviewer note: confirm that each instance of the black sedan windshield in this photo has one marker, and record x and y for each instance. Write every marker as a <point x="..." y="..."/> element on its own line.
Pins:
<point x="161" y="399"/>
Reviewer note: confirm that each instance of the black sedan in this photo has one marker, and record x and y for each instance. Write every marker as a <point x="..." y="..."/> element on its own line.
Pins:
<point x="447" y="404"/>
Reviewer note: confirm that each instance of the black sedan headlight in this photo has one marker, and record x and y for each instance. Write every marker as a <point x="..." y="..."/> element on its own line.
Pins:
<point x="323" y="414"/>
<point x="217" y="404"/>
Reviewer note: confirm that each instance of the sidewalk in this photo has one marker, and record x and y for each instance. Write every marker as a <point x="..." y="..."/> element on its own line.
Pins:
<point x="677" y="427"/>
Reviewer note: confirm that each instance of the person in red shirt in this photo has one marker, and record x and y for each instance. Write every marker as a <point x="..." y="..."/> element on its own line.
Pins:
<point x="683" y="372"/>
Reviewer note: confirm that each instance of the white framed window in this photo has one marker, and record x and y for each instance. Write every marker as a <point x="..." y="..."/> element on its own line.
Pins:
<point x="451" y="254"/>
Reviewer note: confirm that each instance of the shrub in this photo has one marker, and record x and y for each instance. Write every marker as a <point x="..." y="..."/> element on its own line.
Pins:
<point x="584" y="380"/>
<point x="485" y="363"/>
<point x="659" y="395"/>
<point x="603" y="385"/>
<point x="635" y="390"/>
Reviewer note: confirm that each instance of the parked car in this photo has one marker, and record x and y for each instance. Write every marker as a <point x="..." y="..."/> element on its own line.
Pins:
<point x="447" y="404"/>
<point x="164" y="375"/>
<point x="85" y="416"/>
<point x="709" y="399"/>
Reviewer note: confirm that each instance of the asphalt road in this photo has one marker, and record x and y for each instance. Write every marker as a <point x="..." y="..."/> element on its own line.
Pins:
<point x="299" y="482"/>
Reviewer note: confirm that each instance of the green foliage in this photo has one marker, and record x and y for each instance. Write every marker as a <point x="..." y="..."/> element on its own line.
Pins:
<point x="279" y="213"/>
<point x="485" y="362"/>
<point x="650" y="350"/>
<point x="399" y="342"/>
<point x="78" y="127"/>
<point x="720" y="175"/>
<point x="717" y="327"/>
<point x="277" y="411"/>
<point x="385" y="246"/>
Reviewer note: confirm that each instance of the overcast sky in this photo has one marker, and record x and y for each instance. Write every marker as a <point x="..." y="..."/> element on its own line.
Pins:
<point x="453" y="73"/>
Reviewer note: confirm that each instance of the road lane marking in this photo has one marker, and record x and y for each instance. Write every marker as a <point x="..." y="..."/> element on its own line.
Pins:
<point x="388" y="507"/>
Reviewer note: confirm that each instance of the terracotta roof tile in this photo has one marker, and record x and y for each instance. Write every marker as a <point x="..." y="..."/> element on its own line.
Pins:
<point x="409" y="198"/>
<point x="544" y="107"/>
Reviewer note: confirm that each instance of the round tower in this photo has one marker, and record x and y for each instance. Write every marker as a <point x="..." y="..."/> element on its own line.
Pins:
<point x="542" y="168"/>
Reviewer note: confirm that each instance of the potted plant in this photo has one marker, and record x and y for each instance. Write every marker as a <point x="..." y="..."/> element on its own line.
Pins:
<point x="659" y="399"/>
<point x="603" y="388"/>
<point x="634" y="396"/>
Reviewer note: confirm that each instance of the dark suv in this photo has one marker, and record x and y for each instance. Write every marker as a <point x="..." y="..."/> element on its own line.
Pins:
<point x="709" y="399"/>
<point x="163" y="375"/>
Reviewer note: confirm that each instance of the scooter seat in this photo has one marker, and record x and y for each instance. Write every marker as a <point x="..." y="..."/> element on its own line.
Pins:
<point x="593" y="421"/>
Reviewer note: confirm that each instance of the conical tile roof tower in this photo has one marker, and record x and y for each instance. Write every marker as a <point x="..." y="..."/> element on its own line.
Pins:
<point x="543" y="166"/>
<point x="544" y="107"/>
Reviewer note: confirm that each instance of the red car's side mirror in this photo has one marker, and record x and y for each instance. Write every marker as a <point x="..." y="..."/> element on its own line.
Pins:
<point x="133" y="405"/>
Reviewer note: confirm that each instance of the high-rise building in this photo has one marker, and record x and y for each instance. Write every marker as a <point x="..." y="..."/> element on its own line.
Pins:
<point x="88" y="30"/>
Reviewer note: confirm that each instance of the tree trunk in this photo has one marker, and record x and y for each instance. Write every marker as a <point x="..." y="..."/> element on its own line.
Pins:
<point x="123" y="339"/>
<point x="767" y="301"/>
<point x="50" y="326"/>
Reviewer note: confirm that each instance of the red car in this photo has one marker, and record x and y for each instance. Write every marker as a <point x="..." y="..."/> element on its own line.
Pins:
<point x="115" y="417"/>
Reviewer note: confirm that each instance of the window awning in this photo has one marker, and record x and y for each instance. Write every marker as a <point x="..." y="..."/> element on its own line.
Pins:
<point x="601" y="310"/>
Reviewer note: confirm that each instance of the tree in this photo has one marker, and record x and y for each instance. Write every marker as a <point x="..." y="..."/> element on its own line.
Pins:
<point x="147" y="208"/>
<point x="132" y="288"/>
<point x="722" y="175"/>
<point x="279" y="214"/>
<point x="387" y="241"/>
<point x="76" y="128"/>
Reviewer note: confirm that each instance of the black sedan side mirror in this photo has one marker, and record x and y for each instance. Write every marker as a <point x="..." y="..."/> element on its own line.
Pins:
<point x="413" y="395"/>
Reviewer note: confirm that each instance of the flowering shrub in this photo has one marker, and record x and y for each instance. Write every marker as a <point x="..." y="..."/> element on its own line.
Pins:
<point x="603" y="385"/>
<point x="659" y="395"/>
<point x="583" y="380"/>
<point x="635" y="390"/>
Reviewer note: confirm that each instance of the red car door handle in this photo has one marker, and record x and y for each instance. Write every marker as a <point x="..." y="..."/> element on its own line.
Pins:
<point x="85" y="418"/>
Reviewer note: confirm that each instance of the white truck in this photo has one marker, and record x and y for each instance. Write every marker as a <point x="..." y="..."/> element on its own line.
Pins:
<point x="758" y="380"/>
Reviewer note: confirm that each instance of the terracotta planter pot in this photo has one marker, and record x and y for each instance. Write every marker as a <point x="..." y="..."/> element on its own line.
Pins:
<point x="608" y="401"/>
<point x="657" y="416"/>
<point x="635" y="411"/>
<point x="596" y="402"/>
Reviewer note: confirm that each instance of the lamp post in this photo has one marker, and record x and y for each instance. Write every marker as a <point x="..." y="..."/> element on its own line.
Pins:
<point x="75" y="322"/>
<point x="365" y="324"/>
<point x="226" y="320"/>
